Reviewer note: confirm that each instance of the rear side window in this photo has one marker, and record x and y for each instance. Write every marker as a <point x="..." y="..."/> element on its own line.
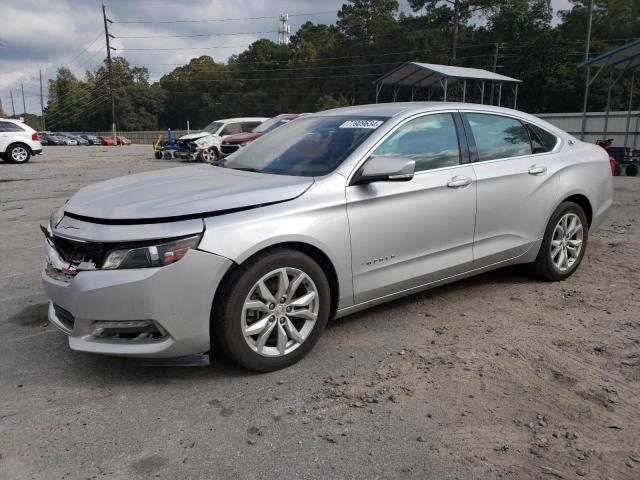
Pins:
<point x="541" y="140"/>
<point x="431" y="141"/>
<point x="249" y="126"/>
<point x="498" y="137"/>
<point x="231" y="129"/>
<point x="10" y="127"/>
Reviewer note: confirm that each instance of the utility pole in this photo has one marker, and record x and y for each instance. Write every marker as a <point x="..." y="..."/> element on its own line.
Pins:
<point x="495" y="67"/>
<point x="588" y="80"/>
<point x="107" y="35"/>
<point x="24" y="105"/>
<point x="13" y="107"/>
<point x="586" y="50"/>
<point x="44" y="127"/>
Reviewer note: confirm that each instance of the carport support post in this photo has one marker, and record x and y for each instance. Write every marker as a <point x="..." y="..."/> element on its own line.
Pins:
<point x="587" y="84"/>
<point x="626" y="130"/>
<point x="606" y="113"/>
<point x="464" y="90"/>
<point x="515" y="97"/>
<point x="446" y="84"/>
<point x="500" y="94"/>
<point x="482" y="94"/>
<point x="378" y="88"/>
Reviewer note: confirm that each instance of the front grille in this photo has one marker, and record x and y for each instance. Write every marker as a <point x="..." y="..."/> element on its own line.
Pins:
<point x="229" y="148"/>
<point x="65" y="317"/>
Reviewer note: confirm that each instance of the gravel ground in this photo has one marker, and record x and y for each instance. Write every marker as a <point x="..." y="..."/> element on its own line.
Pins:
<point x="499" y="376"/>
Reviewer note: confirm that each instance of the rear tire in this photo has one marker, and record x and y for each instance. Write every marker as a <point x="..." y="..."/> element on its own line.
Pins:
<point x="284" y="329"/>
<point x="631" y="170"/>
<point x="18" y="153"/>
<point x="563" y="244"/>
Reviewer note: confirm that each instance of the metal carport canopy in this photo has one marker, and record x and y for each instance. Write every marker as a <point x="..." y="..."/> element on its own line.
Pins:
<point x="416" y="74"/>
<point x="626" y="57"/>
<point x="618" y="61"/>
<point x="425" y="75"/>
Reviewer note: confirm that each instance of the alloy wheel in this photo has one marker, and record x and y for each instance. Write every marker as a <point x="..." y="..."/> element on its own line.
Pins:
<point x="566" y="242"/>
<point x="280" y="312"/>
<point x="208" y="155"/>
<point x="19" y="154"/>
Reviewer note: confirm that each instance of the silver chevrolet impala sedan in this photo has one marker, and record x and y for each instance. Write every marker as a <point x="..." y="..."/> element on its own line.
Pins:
<point x="327" y="215"/>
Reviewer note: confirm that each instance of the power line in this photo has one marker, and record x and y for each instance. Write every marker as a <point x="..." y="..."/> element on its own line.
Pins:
<point x="197" y="35"/>
<point x="204" y="20"/>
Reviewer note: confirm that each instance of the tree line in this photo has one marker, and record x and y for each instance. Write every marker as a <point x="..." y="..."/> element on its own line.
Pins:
<point x="325" y="66"/>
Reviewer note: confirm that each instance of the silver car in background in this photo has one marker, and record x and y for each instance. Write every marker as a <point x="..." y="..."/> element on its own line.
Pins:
<point x="323" y="217"/>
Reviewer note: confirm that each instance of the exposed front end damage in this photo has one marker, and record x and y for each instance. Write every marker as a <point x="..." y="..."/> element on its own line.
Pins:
<point x="148" y="312"/>
<point x="204" y="149"/>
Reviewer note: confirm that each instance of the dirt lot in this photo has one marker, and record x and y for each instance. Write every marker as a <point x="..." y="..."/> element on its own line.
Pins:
<point x="500" y="376"/>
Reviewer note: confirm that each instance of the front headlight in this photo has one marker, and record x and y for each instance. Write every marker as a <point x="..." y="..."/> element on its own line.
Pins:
<point x="150" y="256"/>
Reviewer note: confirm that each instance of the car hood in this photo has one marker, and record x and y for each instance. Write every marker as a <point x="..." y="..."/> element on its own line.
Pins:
<point x="242" y="137"/>
<point x="183" y="192"/>
<point x="194" y="136"/>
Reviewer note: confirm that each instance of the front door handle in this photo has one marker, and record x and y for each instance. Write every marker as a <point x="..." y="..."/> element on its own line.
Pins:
<point x="459" y="181"/>
<point x="537" y="170"/>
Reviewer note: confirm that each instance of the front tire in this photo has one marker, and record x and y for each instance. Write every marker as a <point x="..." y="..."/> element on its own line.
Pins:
<point x="18" y="154"/>
<point x="208" y="155"/>
<point x="564" y="243"/>
<point x="271" y="310"/>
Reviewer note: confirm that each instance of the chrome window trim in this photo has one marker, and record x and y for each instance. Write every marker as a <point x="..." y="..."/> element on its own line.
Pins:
<point x="367" y="154"/>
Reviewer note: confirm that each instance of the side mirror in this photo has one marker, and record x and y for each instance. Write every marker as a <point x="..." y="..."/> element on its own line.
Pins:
<point x="385" y="169"/>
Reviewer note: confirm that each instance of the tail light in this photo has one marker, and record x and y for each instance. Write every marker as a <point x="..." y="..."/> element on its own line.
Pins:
<point x="612" y="163"/>
<point x="34" y="136"/>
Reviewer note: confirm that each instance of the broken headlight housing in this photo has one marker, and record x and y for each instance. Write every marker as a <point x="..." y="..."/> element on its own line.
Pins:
<point x="149" y="256"/>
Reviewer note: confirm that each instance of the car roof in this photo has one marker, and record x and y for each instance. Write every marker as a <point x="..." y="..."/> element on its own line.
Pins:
<point x="406" y="109"/>
<point x="243" y="119"/>
<point x="398" y="108"/>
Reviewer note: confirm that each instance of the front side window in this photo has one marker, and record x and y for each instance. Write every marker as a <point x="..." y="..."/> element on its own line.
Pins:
<point x="498" y="137"/>
<point x="212" y="128"/>
<point x="541" y="140"/>
<point x="308" y="147"/>
<point x="431" y="141"/>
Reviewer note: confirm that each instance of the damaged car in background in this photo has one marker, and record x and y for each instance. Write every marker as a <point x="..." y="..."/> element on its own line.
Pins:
<point x="234" y="142"/>
<point x="204" y="146"/>
<point x="327" y="215"/>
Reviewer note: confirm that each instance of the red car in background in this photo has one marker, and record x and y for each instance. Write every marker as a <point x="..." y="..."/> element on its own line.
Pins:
<point x="123" y="141"/>
<point x="233" y="142"/>
<point x="107" y="141"/>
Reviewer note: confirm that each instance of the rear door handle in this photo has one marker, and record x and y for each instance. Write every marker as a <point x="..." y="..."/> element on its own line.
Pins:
<point x="537" y="170"/>
<point x="459" y="181"/>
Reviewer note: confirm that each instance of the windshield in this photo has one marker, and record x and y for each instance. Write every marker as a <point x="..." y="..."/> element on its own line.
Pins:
<point x="271" y="124"/>
<point x="307" y="147"/>
<point x="213" y="127"/>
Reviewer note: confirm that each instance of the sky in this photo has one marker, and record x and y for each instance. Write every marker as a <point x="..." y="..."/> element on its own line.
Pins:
<point x="41" y="34"/>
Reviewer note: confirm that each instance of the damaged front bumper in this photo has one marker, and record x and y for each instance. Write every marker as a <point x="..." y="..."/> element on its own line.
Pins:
<point x="143" y="312"/>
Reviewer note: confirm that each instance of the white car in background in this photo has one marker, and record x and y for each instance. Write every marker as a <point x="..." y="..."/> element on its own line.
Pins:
<point x="204" y="146"/>
<point x="18" y="141"/>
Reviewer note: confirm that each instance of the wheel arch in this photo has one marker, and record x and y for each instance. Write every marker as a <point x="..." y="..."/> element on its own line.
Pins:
<point x="18" y="142"/>
<point x="312" y="251"/>
<point x="584" y="203"/>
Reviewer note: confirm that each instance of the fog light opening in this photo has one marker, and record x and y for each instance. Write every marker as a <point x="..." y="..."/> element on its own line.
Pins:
<point x="138" y="330"/>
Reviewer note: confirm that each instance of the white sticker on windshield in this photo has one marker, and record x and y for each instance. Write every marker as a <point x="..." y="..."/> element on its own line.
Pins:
<point x="373" y="124"/>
